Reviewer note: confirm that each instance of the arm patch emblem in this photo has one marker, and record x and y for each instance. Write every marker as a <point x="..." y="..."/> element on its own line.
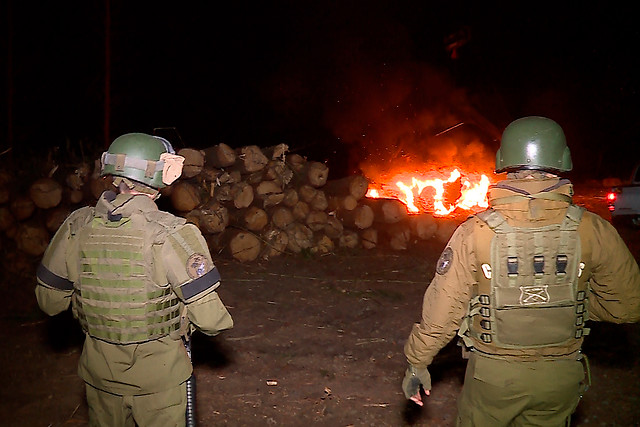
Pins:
<point x="197" y="265"/>
<point x="445" y="261"/>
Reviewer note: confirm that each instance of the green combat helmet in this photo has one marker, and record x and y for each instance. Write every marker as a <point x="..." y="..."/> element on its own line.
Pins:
<point x="147" y="159"/>
<point x="533" y="143"/>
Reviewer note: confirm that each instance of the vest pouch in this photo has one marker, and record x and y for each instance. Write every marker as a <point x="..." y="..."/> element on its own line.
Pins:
<point x="534" y="326"/>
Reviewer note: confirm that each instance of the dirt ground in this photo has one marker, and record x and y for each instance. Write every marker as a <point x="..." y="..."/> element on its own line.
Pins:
<point x="318" y="341"/>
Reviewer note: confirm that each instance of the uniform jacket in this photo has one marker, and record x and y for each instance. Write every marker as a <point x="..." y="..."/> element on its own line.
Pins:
<point x="154" y="365"/>
<point x="614" y="278"/>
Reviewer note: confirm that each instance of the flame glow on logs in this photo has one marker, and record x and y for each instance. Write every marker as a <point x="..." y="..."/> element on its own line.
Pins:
<point x="424" y="192"/>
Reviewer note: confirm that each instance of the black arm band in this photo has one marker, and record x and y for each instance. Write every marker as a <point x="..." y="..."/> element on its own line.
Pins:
<point x="51" y="279"/>
<point x="202" y="283"/>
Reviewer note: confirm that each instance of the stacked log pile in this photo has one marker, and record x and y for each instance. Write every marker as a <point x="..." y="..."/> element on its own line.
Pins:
<point x="250" y="203"/>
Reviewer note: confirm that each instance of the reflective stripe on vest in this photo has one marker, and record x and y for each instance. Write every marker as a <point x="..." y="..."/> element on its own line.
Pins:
<point x="116" y="299"/>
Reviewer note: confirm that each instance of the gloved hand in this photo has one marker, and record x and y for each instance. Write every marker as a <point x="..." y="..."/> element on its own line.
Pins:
<point x="413" y="378"/>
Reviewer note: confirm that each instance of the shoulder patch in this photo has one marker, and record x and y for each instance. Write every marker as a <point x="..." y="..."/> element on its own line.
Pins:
<point x="197" y="265"/>
<point x="445" y="261"/>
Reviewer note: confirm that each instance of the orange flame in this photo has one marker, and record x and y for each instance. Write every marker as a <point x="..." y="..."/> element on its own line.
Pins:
<point x="422" y="193"/>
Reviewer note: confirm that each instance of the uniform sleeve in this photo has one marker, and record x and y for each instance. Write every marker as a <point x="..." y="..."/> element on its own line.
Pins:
<point x="54" y="289"/>
<point x="615" y="279"/>
<point x="445" y="301"/>
<point x="194" y="278"/>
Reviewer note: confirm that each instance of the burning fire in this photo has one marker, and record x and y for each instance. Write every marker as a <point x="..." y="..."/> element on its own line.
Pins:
<point x="422" y="192"/>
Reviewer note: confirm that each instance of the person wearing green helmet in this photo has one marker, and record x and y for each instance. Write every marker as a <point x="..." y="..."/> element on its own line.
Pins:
<point x="138" y="280"/>
<point x="516" y="283"/>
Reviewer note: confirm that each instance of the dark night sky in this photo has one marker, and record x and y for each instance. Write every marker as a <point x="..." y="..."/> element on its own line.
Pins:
<point x="332" y="79"/>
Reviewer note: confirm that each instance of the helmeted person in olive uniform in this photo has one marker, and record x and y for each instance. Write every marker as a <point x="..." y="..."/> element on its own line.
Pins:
<point x="517" y="283"/>
<point x="137" y="279"/>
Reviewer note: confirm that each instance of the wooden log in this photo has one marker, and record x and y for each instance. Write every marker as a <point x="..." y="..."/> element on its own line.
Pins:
<point x="220" y="193"/>
<point x="213" y="218"/>
<point x="313" y="173"/>
<point x="295" y="161"/>
<point x="349" y="239"/>
<point x="242" y="195"/>
<point x="315" y="198"/>
<point x="322" y="244"/>
<point x="423" y="225"/>
<point x="355" y="186"/>
<point x="193" y="162"/>
<point x="252" y="218"/>
<point x="300" y="237"/>
<point x="250" y="159"/>
<point x="369" y="238"/>
<point x="73" y="197"/>
<point x="316" y="220"/>
<point x="361" y="217"/>
<point x="274" y="242"/>
<point x="290" y="197"/>
<point x="269" y="193"/>
<point x="399" y="235"/>
<point x="46" y="193"/>
<point x="278" y="151"/>
<point x="244" y="246"/>
<point x="277" y="170"/>
<point x="281" y="216"/>
<point x="32" y="238"/>
<point x="333" y="228"/>
<point x="388" y="211"/>
<point x="301" y="210"/>
<point x="347" y="203"/>
<point x="209" y="174"/>
<point x="219" y="156"/>
<point x="185" y="196"/>
<point x="22" y="207"/>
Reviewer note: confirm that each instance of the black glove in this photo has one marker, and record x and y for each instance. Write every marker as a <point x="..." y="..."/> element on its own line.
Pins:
<point x="413" y="378"/>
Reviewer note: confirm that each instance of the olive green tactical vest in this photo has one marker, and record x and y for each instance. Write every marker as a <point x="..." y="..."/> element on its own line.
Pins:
<point x="530" y="299"/>
<point x="116" y="299"/>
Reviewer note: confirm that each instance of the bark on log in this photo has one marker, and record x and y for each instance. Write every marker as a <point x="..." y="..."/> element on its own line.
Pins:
<point x="268" y="193"/>
<point x="46" y="193"/>
<point x="322" y="244"/>
<point x="301" y="210"/>
<point x="290" y="197"/>
<point x="193" y="162"/>
<point x="274" y="243"/>
<point x="355" y="186"/>
<point x="250" y="159"/>
<point x="313" y="173"/>
<point x="220" y="156"/>
<point x="388" y="211"/>
<point x="333" y="228"/>
<point x="277" y="170"/>
<point x="361" y="217"/>
<point x="278" y="151"/>
<point x="314" y="197"/>
<point x="300" y="237"/>
<point x="349" y="239"/>
<point x="213" y="218"/>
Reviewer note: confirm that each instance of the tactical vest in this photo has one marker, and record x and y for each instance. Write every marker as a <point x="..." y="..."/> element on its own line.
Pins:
<point x="116" y="298"/>
<point x="530" y="299"/>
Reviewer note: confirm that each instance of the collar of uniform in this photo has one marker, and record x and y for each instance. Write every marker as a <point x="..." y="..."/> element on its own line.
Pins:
<point x="539" y="211"/>
<point x="123" y="204"/>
